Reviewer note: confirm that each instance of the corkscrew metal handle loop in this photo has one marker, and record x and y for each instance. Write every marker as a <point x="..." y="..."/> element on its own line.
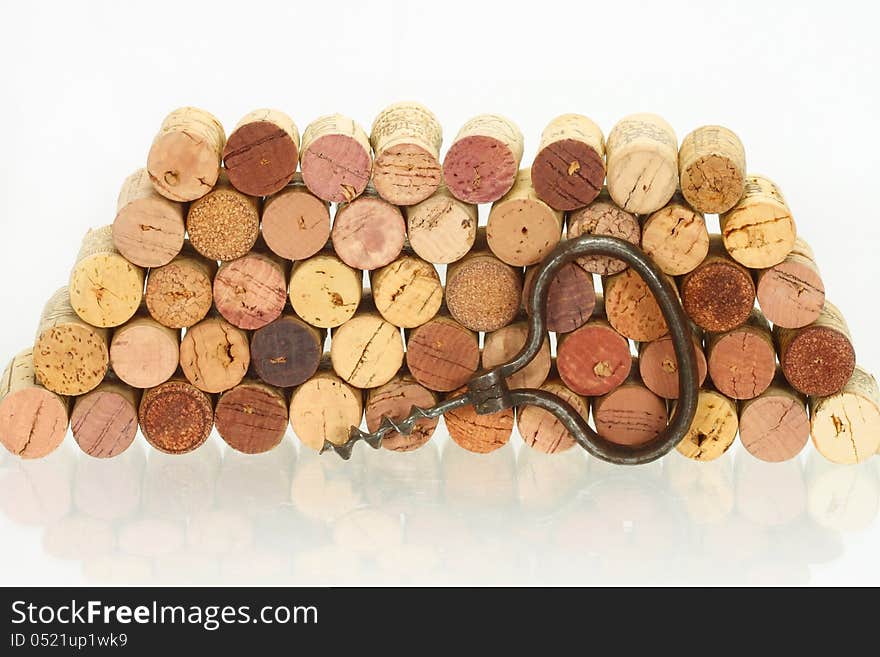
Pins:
<point x="488" y="391"/>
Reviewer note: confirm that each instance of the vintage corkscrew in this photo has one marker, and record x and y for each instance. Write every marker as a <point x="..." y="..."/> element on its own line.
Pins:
<point x="487" y="391"/>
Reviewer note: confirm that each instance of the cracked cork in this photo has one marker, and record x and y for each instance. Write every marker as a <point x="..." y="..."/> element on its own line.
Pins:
<point x="441" y="229"/>
<point x="774" y="426"/>
<point x="714" y="427"/>
<point x="325" y="408"/>
<point x="262" y="152"/>
<point x="676" y="237"/>
<point x="845" y="426"/>
<point x="792" y="293"/>
<point x="394" y="400"/>
<point x="603" y="217"/>
<point x="214" y="355"/>
<point x="104" y="421"/>
<point x="366" y="351"/>
<point x="442" y="354"/>
<point x="742" y="361"/>
<point x="325" y="291"/>
<point x="541" y="430"/>
<point x="335" y="157"/>
<point x="712" y="168"/>
<point x="180" y="294"/>
<point x="407" y="292"/>
<point x="251" y="291"/>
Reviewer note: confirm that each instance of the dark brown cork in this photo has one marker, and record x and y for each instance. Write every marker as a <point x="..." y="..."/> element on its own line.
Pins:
<point x="570" y="299"/>
<point x="286" y="352"/>
<point x="176" y="417"/>
<point x="262" y="153"/>
<point x="252" y="417"/>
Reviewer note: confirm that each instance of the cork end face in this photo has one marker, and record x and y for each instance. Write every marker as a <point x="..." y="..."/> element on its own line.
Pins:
<point x="630" y="415"/>
<point x="481" y="434"/>
<point x="182" y="166"/>
<point x="571" y="298"/>
<point x="286" y="353"/>
<point x="143" y="356"/>
<point x="104" y="423"/>
<point x="846" y="428"/>
<point x="442" y="355"/>
<point x="742" y="364"/>
<point x="214" y="355"/>
<point x="368" y="234"/>
<point x="713" y="183"/>
<point x="250" y="292"/>
<point x="106" y="290"/>
<point x="296" y="224"/>
<point x="406" y="174"/>
<point x="541" y="430"/>
<point x="522" y="231"/>
<point x="33" y="423"/>
<point x="483" y="294"/>
<point x="604" y="218"/>
<point x="148" y="233"/>
<point x="659" y="369"/>
<point x="178" y="296"/>
<point x="324" y="291"/>
<point x="176" y="417"/>
<point x="441" y="230"/>
<point x="224" y="225"/>
<point x="367" y="351"/>
<point x="71" y="359"/>
<point x="713" y="430"/>
<point x="568" y="174"/>
<point x="718" y="296"/>
<point x="395" y="400"/>
<point x="819" y="361"/>
<point x="251" y="418"/>
<point x="324" y="409"/>
<point x="791" y="294"/>
<point x="336" y="168"/>
<point x="594" y="360"/>
<point x="774" y="428"/>
<point x="642" y="181"/>
<point x="480" y="169"/>
<point x="260" y="158"/>
<point x="676" y="238"/>
<point x="759" y="236"/>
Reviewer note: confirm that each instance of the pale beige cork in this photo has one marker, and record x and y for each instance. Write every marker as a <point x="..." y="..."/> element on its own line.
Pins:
<point x="712" y="168"/>
<point x="366" y="351"/>
<point x="845" y="427"/>
<point x="502" y="345"/>
<point x="714" y="427"/>
<point x="759" y="231"/>
<point x="642" y="160"/>
<point x="541" y="430"/>
<point x="335" y="158"/>
<point x="325" y="408"/>
<point x="676" y="237"/>
<point x="262" y="152"/>
<point x="295" y="222"/>
<point x="603" y="217"/>
<point x="180" y="293"/>
<point x="70" y="356"/>
<point x="224" y="224"/>
<point x="214" y="355"/>
<point x="406" y="140"/>
<point x="522" y="229"/>
<point x="105" y="288"/>
<point x="792" y="293"/>
<point x="408" y="292"/>
<point x="144" y="353"/>
<point x="441" y="229"/>
<point x="184" y="159"/>
<point x="395" y="400"/>
<point x="324" y="291"/>
<point x="149" y="228"/>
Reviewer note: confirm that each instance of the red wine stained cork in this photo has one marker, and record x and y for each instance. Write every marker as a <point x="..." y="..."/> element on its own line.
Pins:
<point x="286" y="352"/>
<point x="325" y="408"/>
<point x="180" y="293"/>
<point x="594" y="359"/>
<point x="70" y="356"/>
<point x="406" y="138"/>
<point x="642" y="160"/>
<point x="224" y="224"/>
<point x="712" y="168"/>
<point x="759" y="231"/>
<point x="478" y="433"/>
<point x="714" y="427"/>
<point x="845" y="426"/>
<point x="522" y="229"/>
<point x="408" y="292"/>
<point x="675" y="237"/>
<point x="149" y="228"/>
<point x="105" y="288"/>
<point x="792" y="293"/>
<point x="262" y="152"/>
<point x="441" y="229"/>
<point x="368" y="233"/>
<point x="214" y="355"/>
<point x="296" y="223"/>
<point x="603" y="217"/>
<point x="33" y="420"/>
<point x="335" y="158"/>
<point x="569" y="168"/>
<point x="366" y="351"/>
<point x="144" y="353"/>
<point x="251" y="291"/>
<point x="571" y="297"/>
<point x="630" y="414"/>
<point x="742" y="361"/>
<point x="483" y="160"/>
<point x="719" y="294"/>
<point x="176" y="417"/>
<point x="774" y="425"/>
<point x="442" y="354"/>
<point x="631" y="307"/>
<point x="104" y="421"/>
<point x="324" y="291"/>
<point x="395" y="400"/>
<point x="541" y="430"/>
<point x="502" y="345"/>
<point x="184" y="159"/>
<point x="819" y="358"/>
<point x="252" y="417"/>
<point x="658" y="365"/>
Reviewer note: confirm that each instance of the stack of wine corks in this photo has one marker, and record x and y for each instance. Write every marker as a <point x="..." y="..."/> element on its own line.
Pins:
<point x="339" y="277"/>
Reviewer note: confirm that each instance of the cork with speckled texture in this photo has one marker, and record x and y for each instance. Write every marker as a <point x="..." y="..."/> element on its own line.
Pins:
<point x="631" y="307"/>
<point x="395" y="400"/>
<point x="676" y="237"/>
<point x="407" y="292"/>
<point x="335" y="158"/>
<point x="571" y="297"/>
<point x="176" y="417"/>
<point x="369" y="232"/>
<point x="180" y="293"/>
<point x="541" y="430"/>
<point x="603" y="217"/>
<point x="658" y="365"/>
<point x="262" y="152"/>
<point x="366" y="351"/>
<point x="442" y="354"/>
<point x="324" y="291"/>
<point x="224" y="224"/>
<point x="286" y="352"/>
<point x="214" y="355"/>
<point x="325" y="408"/>
<point x="791" y="294"/>
<point x="295" y="222"/>
<point x="251" y="291"/>
<point x="845" y="426"/>
<point x="714" y="427"/>
<point x="630" y="414"/>
<point x="502" y="345"/>
<point x="144" y="353"/>
<point x="712" y="168"/>
<point x="441" y="229"/>
<point x="251" y="417"/>
<point x="774" y="426"/>
<point x="478" y="433"/>
<point x="104" y="421"/>
<point x="742" y="361"/>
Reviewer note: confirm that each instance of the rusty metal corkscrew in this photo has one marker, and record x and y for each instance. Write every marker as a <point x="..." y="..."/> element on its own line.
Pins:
<point x="488" y="393"/>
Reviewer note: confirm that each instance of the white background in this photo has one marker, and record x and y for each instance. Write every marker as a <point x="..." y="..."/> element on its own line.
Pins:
<point x="84" y="88"/>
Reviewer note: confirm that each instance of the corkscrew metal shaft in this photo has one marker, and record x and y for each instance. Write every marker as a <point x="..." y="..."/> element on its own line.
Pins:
<point x="488" y="393"/>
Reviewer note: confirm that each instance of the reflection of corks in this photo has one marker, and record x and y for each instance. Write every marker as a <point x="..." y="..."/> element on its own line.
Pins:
<point x="478" y="433"/>
<point x="603" y="217"/>
<point x="631" y="307"/>
<point x="295" y="222"/>
<point x="675" y="237"/>
<point x="176" y="417"/>
<point x="262" y="152"/>
<point x="180" y="293"/>
<point x="224" y="224"/>
<point x="541" y="430"/>
<point x="144" y="353"/>
<point x="335" y="158"/>
<point x="286" y="352"/>
<point x="324" y="408"/>
<point x="594" y="359"/>
<point x="792" y="294"/>
<point x="395" y="399"/>
<point x="712" y="164"/>
<point x="441" y="229"/>
<point x="714" y="427"/>
<point x="324" y="291"/>
<point x="742" y="361"/>
<point x="442" y="354"/>
<point x="630" y="414"/>
<point x="408" y="292"/>
<point x="571" y="297"/>
<point x="569" y="168"/>
<point x="368" y="232"/>
<point x="251" y="291"/>
<point x="105" y="421"/>
<point x="505" y="343"/>
<point x="658" y="365"/>
<point x="214" y="355"/>
<point x="774" y="425"/>
<point x="252" y="417"/>
<point x="846" y="426"/>
<point x="366" y="351"/>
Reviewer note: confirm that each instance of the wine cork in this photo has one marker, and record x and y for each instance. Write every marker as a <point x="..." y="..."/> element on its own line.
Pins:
<point x="296" y="223"/>
<point x="324" y="291"/>
<point x="774" y="425"/>
<point x="395" y="400"/>
<point x="792" y="293"/>
<point x="603" y="217"/>
<point x="642" y="161"/>
<point x="845" y="426"/>
<point x="658" y="365"/>
<point x="251" y="291"/>
<point x="719" y="294"/>
<point x="594" y="359"/>
<point x="184" y="159"/>
<point x="408" y="292"/>
<point x="366" y="351"/>
<point x="286" y="352"/>
<point x="149" y="228"/>
<point x="105" y="288"/>
<point x="541" y="430"/>
<point x="675" y="237"/>
<point x="180" y="294"/>
<point x="262" y="152"/>
<point x="819" y="358"/>
<point x="368" y="233"/>
<point x="742" y="361"/>
<point x="483" y="160"/>
<point x="144" y="353"/>
<point x="522" y="229"/>
<point x="324" y="408"/>
<point x="478" y="433"/>
<point x="569" y="168"/>
<point x="33" y="419"/>
<point x="571" y="297"/>
<point x="406" y="139"/>
<point x="630" y="414"/>
<point x="176" y="417"/>
<point x="214" y="355"/>
<point x="712" y="168"/>
<point x="441" y="229"/>
<point x="502" y="345"/>
<point x="442" y="354"/>
<point x="631" y="307"/>
<point x="252" y="417"/>
<point x="759" y="231"/>
<point x="714" y="427"/>
<point x="335" y="158"/>
<point x="70" y="356"/>
<point x="104" y="421"/>
<point x="224" y="224"/>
